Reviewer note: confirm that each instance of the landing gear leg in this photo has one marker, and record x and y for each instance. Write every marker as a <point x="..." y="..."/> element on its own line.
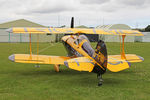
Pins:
<point x="37" y="66"/>
<point x="56" y="67"/>
<point x="100" y="80"/>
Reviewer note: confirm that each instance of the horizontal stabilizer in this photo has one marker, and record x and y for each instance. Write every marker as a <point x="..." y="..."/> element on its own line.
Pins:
<point x="38" y="59"/>
<point x="80" y="64"/>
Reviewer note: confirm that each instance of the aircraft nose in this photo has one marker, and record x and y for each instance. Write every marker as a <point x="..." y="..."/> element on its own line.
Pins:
<point x="12" y="57"/>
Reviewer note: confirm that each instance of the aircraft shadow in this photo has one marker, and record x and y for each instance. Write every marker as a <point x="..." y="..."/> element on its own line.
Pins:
<point x="77" y="78"/>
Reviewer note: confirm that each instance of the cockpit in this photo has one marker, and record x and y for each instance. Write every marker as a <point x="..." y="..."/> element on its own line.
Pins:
<point x="81" y="41"/>
<point x="86" y="45"/>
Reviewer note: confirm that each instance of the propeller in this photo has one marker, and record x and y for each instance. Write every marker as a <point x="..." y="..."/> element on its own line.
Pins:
<point x="71" y="25"/>
<point x="72" y="22"/>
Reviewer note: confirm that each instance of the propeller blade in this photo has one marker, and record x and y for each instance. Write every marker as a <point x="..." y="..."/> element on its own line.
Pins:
<point x="72" y="22"/>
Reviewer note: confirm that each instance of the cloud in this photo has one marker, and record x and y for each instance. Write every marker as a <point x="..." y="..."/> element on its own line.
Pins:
<point x="53" y="6"/>
<point x="87" y="12"/>
<point x="98" y="2"/>
<point x="132" y="2"/>
<point x="51" y="9"/>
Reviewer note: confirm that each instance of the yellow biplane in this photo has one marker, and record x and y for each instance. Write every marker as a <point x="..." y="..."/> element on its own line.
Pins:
<point x="81" y="56"/>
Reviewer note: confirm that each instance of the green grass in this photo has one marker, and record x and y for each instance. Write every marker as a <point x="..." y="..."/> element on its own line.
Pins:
<point x="25" y="82"/>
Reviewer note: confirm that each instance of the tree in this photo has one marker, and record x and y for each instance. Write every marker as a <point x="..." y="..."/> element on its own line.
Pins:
<point x="147" y="29"/>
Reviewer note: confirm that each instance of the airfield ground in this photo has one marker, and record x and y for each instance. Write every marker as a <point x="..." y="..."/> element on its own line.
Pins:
<point x="25" y="82"/>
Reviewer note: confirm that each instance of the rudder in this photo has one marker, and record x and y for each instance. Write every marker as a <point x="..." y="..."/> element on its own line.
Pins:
<point x="101" y="54"/>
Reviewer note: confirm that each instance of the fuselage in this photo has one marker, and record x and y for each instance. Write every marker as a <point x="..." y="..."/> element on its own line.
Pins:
<point x="79" y="41"/>
<point x="78" y="46"/>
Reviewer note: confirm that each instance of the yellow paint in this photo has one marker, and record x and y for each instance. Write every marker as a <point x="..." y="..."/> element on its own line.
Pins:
<point x="119" y="67"/>
<point x="42" y="59"/>
<point x="37" y="46"/>
<point x="123" y="52"/>
<point x="30" y="46"/>
<point x="74" y="31"/>
<point x="81" y="43"/>
<point x="81" y="51"/>
<point x="81" y="64"/>
<point x="64" y="38"/>
<point x="56" y="67"/>
<point x="129" y="57"/>
<point x="116" y="63"/>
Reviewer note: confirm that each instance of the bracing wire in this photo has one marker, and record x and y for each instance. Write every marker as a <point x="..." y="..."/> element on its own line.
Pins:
<point x="45" y="48"/>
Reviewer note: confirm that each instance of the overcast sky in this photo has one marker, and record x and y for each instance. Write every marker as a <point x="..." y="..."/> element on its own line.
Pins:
<point x="134" y="13"/>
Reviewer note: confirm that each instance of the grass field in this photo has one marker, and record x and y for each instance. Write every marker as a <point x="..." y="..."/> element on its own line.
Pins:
<point x="25" y="82"/>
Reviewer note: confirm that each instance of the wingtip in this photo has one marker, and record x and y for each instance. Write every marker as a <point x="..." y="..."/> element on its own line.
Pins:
<point x="12" y="57"/>
<point x="66" y="63"/>
<point x="141" y="58"/>
<point x="129" y="63"/>
<point x="10" y="30"/>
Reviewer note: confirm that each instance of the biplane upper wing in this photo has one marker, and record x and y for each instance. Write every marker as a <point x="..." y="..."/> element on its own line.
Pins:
<point x="116" y="64"/>
<point x="73" y="31"/>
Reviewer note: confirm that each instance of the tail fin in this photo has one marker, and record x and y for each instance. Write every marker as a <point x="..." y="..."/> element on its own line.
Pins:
<point x="101" y="54"/>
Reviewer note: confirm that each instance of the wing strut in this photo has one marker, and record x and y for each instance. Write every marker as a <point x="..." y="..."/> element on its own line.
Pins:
<point x="30" y="46"/>
<point x="122" y="47"/>
<point x="37" y="46"/>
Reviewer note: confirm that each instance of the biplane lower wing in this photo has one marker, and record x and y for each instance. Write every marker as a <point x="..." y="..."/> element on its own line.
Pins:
<point x="38" y="59"/>
<point x="116" y="64"/>
<point x="129" y="57"/>
<point x="80" y="64"/>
